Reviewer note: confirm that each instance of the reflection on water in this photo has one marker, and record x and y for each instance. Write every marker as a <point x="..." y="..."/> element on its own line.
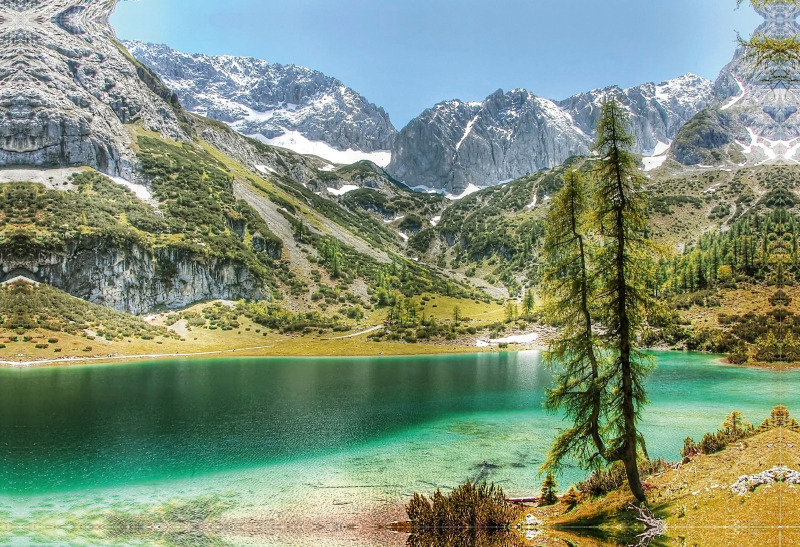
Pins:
<point x="711" y="537"/>
<point x="465" y="539"/>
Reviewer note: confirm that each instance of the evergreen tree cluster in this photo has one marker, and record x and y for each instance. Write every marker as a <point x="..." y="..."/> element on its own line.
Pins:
<point x="746" y="251"/>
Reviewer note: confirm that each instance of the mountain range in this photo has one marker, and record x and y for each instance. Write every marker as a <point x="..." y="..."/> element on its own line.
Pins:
<point x="217" y="214"/>
<point x="449" y="147"/>
<point x="456" y="144"/>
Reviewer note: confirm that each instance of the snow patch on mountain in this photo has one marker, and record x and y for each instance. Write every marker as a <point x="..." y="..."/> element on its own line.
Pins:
<point x="467" y="131"/>
<point x="295" y="141"/>
<point x="471" y="189"/>
<point x="139" y="190"/>
<point x="738" y="98"/>
<point x="658" y="157"/>
<point x="343" y="190"/>
<point x="767" y="150"/>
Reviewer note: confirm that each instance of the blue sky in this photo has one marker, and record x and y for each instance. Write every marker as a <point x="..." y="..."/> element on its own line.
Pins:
<point x="407" y="55"/>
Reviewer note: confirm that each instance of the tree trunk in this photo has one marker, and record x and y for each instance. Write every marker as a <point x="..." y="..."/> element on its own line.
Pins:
<point x="629" y="456"/>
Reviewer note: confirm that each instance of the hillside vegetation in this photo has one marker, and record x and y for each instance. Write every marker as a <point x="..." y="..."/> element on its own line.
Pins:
<point x="696" y="497"/>
<point x="325" y="259"/>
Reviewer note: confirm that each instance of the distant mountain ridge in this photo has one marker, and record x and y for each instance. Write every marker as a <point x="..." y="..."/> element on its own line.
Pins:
<point x="450" y="147"/>
<point x="288" y="106"/>
<point x="455" y="144"/>
<point x="657" y="111"/>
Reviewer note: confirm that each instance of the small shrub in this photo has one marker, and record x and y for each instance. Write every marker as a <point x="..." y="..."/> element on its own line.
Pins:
<point x="571" y="498"/>
<point x="467" y="506"/>
<point x="549" y="495"/>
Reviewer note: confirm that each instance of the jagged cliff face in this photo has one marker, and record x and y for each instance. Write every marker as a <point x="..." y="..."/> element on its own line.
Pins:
<point x="270" y="100"/>
<point x="455" y="144"/>
<point x="67" y="89"/>
<point x="753" y="118"/>
<point x="509" y="135"/>
<point x="130" y="278"/>
<point x="657" y="112"/>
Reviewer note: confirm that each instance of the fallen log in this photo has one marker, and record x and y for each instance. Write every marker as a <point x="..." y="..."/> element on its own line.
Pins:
<point x="522" y="500"/>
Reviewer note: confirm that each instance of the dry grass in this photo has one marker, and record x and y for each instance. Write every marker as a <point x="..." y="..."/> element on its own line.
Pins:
<point x="696" y="500"/>
<point x="210" y="344"/>
<point x="442" y="307"/>
<point x="241" y="341"/>
<point x="747" y="299"/>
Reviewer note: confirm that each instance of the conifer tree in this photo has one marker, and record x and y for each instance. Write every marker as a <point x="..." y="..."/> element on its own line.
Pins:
<point x="571" y="291"/>
<point x="735" y="424"/>
<point x="549" y="493"/>
<point x="510" y="311"/>
<point x="528" y="302"/>
<point x="624" y="270"/>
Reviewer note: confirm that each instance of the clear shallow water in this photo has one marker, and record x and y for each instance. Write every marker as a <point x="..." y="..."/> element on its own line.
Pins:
<point x="292" y="437"/>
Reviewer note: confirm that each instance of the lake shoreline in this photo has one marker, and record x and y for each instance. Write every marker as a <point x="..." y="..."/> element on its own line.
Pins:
<point x="380" y="350"/>
<point x="325" y="441"/>
<point x="335" y="348"/>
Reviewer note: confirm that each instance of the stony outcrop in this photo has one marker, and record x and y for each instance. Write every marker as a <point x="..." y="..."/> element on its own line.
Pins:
<point x="129" y="277"/>
<point x="67" y="88"/>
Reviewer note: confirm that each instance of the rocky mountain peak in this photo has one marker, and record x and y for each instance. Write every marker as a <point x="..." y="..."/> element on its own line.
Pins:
<point x="289" y="106"/>
<point x="456" y="144"/>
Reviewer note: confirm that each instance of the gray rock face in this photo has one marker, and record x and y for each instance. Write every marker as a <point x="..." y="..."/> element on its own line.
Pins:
<point x="455" y="144"/>
<point x="258" y="98"/>
<point x="67" y="89"/>
<point x="128" y="277"/>
<point x="509" y="135"/>
<point x="657" y="112"/>
<point x="755" y="118"/>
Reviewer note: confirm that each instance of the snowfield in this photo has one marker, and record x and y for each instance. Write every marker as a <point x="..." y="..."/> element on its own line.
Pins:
<point x="296" y="142"/>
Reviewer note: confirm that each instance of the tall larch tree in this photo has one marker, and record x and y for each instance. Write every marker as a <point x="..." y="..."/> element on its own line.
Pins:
<point x="624" y="270"/>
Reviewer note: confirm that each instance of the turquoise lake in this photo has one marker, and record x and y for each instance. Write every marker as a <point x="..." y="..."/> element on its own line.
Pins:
<point x="346" y="438"/>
